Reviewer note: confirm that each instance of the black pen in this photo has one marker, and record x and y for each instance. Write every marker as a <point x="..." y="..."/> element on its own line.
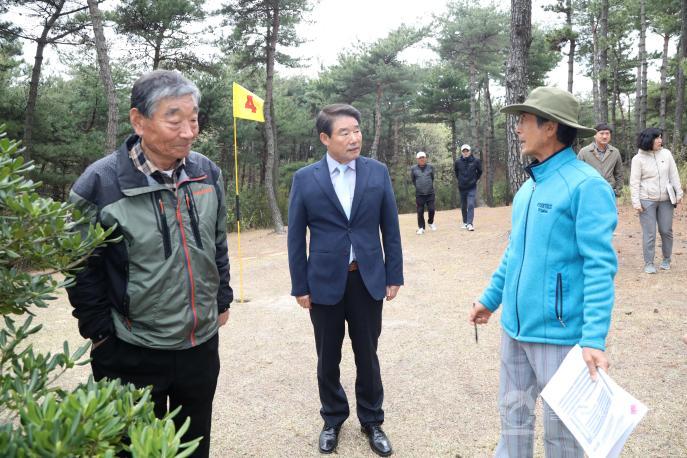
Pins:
<point x="475" y="323"/>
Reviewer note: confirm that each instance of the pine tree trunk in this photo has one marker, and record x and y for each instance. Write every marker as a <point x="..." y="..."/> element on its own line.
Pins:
<point x="474" y="122"/>
<point x="157" y="54"/>
<point x="623" y="139"/>
<point x="603" y="63"/>
<point x="645" y="65"/>
<point x="378" y="121"/>
<point x="263" y="159"/>
<point x="33" y="97"/>
<point x="614" y="95"/>
<point x="680" y="83"/>
<point x="488" y="144"/>
<point x="36" y="78"/>
<point x="640" y="97"/>
<point x="664" y="86"/>
<point x="384" y="153"/>
<point x="595" y="69"/>
<point x="396" y="136"/>
<point x="629" y="147"/>
<point x="105" y="75"/>
<point x="573" y="43"/>
<point x="516" y="84"/>
<point x="270" y="137"/>
<point x="454" y="156"/>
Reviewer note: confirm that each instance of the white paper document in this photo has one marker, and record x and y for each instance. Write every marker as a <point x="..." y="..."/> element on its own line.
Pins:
<point x="601" y="415"/>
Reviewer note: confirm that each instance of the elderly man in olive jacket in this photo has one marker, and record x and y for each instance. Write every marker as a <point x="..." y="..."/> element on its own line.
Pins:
<point x="153" y="301"/>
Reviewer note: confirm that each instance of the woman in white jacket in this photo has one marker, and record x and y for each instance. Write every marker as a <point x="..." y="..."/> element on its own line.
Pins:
<point x="656" y="190"/>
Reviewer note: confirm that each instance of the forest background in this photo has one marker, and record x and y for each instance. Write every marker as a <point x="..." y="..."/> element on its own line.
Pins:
<point x="478" y="57"/>
<point x="68" y="104"/>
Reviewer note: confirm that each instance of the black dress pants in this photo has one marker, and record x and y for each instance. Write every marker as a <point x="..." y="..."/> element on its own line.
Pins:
<point x="364" y="317"/>
<point x="420" y="203"/>
<point x="178" y="377"/>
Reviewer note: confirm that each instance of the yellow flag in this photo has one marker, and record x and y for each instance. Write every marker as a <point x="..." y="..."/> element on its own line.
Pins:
<point x="247" y="105"/>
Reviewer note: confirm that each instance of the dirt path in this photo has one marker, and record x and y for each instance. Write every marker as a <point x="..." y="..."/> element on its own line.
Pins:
<point x="440" y="387"/>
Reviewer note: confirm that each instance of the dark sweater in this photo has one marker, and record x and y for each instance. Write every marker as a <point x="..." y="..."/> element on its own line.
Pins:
<point x="423" y="179"/>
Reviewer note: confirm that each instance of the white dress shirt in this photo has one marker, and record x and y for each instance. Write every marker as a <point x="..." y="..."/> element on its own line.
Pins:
<point x="344" y="186"/>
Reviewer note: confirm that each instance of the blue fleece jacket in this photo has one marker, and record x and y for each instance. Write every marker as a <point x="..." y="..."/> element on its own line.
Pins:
<point x="555" y="279"/>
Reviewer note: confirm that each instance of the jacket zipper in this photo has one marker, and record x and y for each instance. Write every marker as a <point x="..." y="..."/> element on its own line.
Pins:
<point x="524" y="245"/>
<point x="187" y="256"/>
<point x="159" y="205"/>
<point x="191" y="208"/>
<point x="559" y="293"/>
<point x="658" y="172"/>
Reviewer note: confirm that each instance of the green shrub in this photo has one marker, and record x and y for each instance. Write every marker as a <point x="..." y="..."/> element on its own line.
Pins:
<point x="255" y="209"/>
<point x="37" y="417"/>
<point x="501" y="193"/>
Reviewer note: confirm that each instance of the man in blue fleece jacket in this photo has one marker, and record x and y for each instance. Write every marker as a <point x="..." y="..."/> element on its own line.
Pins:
<point x="555" y="280"/>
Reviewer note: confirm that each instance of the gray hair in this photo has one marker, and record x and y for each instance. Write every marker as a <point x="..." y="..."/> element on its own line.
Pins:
<point x="152" y="87"/>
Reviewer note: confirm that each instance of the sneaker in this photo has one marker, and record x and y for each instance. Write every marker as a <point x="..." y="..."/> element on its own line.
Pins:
<point x="433" y="227"/>
<point x="665" y="264"/>
<point x="464" y="226"/>
<point x="649" y="268"/>
<point x="420" y="231"/>
<point x="470" y="227"/>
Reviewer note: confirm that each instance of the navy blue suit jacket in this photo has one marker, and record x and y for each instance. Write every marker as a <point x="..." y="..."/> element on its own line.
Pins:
<point x="313" y="204"/>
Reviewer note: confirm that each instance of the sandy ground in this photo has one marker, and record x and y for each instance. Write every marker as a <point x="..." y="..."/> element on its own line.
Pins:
<point x="440" y="387"/>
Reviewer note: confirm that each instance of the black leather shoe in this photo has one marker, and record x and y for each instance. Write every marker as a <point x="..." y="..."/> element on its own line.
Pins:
<point x="329" y="439"/>
<point x="379" y="443"/>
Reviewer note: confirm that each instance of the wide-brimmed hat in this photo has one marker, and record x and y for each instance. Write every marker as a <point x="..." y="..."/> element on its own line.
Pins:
<point x="554" y="104"/>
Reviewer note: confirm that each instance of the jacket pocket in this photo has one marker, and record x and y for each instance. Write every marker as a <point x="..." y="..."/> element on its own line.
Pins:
<point x="162" y="225"/>
<point x="558" y="305"/>
<point x="193" y="215"/>
<point x="105" y="348"/>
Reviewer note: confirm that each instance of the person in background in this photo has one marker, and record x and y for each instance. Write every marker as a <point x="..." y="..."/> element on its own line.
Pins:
<point x="422" y="176"/>
<point x="604" y="157"/>
<point x="468" y="170"/>
<point x="656" y="191"/>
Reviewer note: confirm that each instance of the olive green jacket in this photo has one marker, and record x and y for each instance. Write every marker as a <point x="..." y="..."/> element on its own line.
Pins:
<point x="610" y="167"/>
<point x="164" y="283"/>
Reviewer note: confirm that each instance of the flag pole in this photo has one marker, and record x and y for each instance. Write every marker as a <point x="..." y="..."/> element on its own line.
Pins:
<point x="238" y="211"/>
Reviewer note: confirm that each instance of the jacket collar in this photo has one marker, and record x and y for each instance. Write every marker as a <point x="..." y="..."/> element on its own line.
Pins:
<point x="130" y="178"/>
<point x="332" y="164"/>
<point x="650" y="153"/>
<point x="324" y="180"/>
<point x="541" y="170"/>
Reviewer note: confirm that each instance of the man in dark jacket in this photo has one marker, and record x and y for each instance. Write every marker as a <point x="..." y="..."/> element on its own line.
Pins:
<point x="153" y="302"/>
<point x="468" y="170"/>
<point x="422" y="175"/>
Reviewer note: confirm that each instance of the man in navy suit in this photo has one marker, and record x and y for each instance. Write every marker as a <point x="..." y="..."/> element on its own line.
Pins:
<point x="345" y="201"/>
